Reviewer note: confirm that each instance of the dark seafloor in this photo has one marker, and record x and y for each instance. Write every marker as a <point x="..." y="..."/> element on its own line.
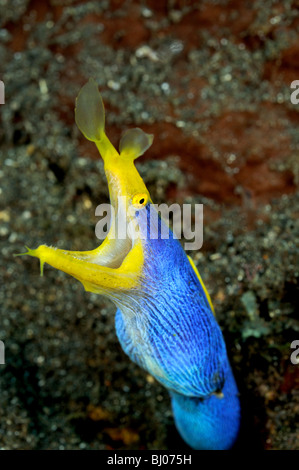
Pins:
<point x="211" y="80"/>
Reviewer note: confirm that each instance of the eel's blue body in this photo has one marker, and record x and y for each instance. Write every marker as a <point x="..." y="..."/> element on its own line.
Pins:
<point x="170" y="331"/>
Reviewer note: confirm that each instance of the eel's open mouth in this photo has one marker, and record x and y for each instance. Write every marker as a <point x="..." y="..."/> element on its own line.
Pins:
<point x="111" y="253"/>
<point x="105" y="270"/>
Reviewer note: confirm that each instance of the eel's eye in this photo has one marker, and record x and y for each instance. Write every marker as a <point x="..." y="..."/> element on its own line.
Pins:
<point x="140" y="200"/>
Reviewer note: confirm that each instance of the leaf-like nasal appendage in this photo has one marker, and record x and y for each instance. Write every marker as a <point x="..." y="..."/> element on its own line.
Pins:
<point x="90" y="112"/>
<point x="134" y="143"/>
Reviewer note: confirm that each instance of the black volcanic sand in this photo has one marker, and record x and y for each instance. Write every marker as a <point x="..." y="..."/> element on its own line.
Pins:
<point x="213" y="84"/>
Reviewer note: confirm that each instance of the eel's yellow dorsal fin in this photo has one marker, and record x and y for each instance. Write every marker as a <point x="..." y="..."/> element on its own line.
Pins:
<point x="202" y="284"/>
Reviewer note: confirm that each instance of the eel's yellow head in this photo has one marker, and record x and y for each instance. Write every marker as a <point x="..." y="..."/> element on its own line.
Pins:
<point x="123" y="179"/>
<point x="116" y="265"/>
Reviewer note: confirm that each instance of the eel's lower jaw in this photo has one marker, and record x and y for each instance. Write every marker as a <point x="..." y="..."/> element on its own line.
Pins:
<point x="111" y="254"/>
<point x="107" y="270"/>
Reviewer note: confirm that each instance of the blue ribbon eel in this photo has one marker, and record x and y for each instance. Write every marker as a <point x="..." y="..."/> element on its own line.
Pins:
<point x="164" y="320"/>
